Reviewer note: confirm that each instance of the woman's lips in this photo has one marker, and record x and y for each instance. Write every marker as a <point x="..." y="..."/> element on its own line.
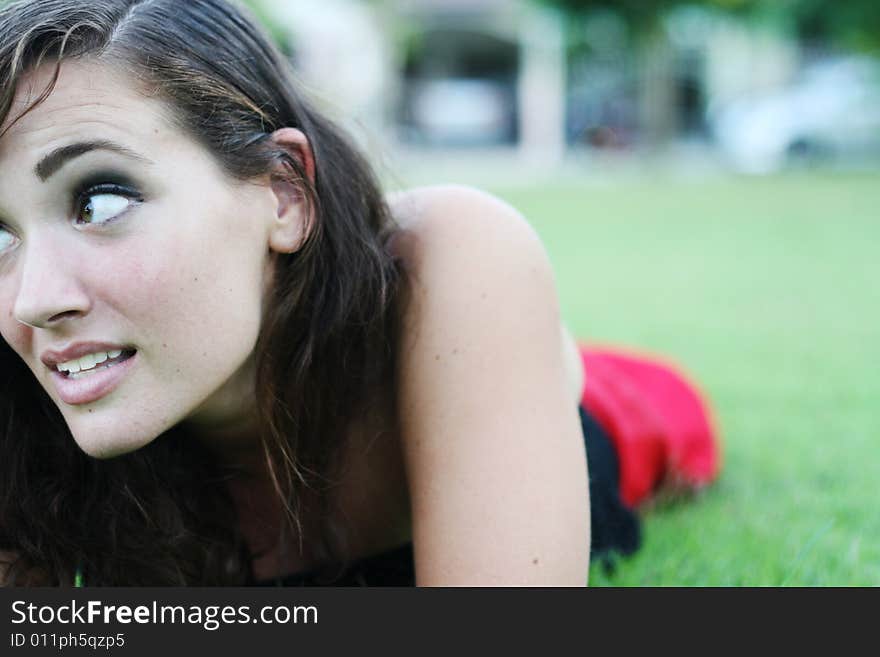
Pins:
<point x="91" y="387"/>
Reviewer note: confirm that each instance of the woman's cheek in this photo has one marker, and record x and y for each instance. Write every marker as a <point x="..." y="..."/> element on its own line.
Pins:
<point x="16" y="334"/>
<point x="147" y="276"/>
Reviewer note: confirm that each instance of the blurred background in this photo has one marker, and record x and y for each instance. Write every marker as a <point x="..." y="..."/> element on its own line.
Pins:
<point x="752" y="86"/>
<point x="705" y="176"/>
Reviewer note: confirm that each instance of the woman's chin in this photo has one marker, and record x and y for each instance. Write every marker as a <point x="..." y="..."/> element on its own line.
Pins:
<point x="100" y="445"/>
<point x="106" y="451"/>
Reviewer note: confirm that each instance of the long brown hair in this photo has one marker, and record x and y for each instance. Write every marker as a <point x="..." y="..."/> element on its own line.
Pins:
<point x="161" y="515"/>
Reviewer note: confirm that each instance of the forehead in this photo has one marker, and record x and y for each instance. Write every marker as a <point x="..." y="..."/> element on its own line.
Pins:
<point x="89" y="101"/>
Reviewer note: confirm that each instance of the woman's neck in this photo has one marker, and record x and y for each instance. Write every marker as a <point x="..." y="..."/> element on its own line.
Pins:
<point x="236" y="446"/>
<point x="228" y="426"/>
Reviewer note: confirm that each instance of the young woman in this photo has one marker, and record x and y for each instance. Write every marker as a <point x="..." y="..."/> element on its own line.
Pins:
<point x="228" y="359"/>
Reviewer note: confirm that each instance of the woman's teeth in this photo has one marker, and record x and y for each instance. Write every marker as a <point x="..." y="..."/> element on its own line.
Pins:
<point x="89" y="363"/>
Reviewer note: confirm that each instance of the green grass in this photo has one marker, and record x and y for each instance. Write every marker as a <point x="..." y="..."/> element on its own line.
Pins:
<point x="767" y="291"/>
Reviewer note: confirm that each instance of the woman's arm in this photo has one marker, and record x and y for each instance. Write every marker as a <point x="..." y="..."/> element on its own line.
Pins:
<point x="494" y="454"/>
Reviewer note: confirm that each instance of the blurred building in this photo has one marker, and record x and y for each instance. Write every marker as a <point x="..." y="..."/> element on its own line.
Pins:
<point x="628" y="87"/>
<point x="436" y="73"/>
<point x="453" y="75"/>
<point x="484" y="72"/>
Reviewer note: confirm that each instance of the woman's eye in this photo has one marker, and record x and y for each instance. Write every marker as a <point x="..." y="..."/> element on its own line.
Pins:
<point x="101" y="203"/>
<point x="7" y="239"/>
<point x="101" y="208"/>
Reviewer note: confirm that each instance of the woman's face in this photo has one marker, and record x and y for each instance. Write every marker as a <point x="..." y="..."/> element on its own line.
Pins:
<point x="132" y="269"/>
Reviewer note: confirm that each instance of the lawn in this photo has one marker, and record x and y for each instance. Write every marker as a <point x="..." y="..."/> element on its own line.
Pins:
<point x="767" y="291"/>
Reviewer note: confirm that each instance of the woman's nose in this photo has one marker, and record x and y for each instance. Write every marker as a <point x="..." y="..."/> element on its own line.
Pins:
<point x="50" y="291"/>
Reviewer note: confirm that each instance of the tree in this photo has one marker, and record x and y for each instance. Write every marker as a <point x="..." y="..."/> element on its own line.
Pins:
<point x="853" y="24"/>
<point x="644" y="13"/>
<point x="848" y="24"/>
<point x="652" y="54"/>
<point x="842" y="24"/>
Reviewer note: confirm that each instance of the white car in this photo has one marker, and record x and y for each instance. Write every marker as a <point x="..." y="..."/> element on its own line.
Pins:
<point x="461" y="111"/>
<point x="831" y="113"/>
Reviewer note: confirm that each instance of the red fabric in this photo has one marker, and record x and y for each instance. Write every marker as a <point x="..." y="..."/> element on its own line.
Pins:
<point x="660" y="425"/>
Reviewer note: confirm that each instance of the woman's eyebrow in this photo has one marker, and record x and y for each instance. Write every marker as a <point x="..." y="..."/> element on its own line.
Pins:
<point x="60" y="156"/>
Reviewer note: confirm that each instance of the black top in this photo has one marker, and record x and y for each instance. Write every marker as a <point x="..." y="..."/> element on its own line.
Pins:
<point x="392" y="568"/>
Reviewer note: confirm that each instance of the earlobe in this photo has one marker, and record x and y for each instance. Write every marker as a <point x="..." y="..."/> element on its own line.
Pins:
<point x="294" y="211"/>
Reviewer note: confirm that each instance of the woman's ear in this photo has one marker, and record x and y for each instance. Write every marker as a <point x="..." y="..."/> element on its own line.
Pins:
<point x="294" y="212"/>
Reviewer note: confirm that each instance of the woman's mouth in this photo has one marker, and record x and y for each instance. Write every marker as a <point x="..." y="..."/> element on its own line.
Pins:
<point x="90" y="363"/>
<point x="89" y="378"/>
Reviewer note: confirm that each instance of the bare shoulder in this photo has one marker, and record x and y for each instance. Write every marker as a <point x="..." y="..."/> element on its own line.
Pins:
<point x="476" y="270"/>
<point x="454" y="238"/>
<point x="445" y="222"/>
<point x="414" y="207"/>
<point x="490" y="436"/>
